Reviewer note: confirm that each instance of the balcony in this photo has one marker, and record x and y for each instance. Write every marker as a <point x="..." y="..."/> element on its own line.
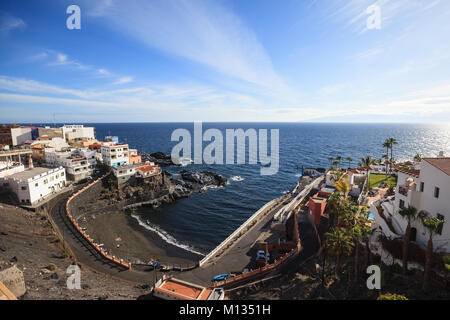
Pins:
<point x="403" y="190"/>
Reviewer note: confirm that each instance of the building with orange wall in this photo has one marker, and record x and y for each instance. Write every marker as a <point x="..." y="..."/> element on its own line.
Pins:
<point x="135" y="159"/>
<point x="316" y="205"/>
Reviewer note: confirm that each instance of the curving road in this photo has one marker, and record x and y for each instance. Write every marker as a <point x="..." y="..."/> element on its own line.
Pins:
<point x="85" y="254"/>
<point x="238" y="254"/>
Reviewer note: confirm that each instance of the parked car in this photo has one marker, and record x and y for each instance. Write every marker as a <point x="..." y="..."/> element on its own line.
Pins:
<point x="221" y="277"/>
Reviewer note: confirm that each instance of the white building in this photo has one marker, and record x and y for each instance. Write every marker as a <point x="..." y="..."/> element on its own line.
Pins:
<point x="115" y="154"/>
<point x="20" y="135"/>
<point x="77" y="167"/>
<point x="51" y="142"/>
<point x="90" y="155"/>
<point x="76" y="132"/>
<point x="34" y="185"/>
<point x="147" y="170"/>
<point x="8" y="168"/>
<point x="124" y="173"/>
<point x="425" y="189"/>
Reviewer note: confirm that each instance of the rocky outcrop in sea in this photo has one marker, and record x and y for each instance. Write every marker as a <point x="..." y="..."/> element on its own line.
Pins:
<point x="167" y="188"/>
<point x="159" y="158"/>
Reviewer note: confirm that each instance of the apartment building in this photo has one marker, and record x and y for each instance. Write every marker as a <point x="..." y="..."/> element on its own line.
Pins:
<point x="78" y="132"/>
<point x="115" y="154"/>
<point x="77" y="166"/>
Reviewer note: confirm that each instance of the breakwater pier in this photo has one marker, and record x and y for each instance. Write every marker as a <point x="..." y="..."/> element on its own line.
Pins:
<point x="238" y="250"/>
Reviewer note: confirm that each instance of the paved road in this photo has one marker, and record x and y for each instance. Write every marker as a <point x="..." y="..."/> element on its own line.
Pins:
<point x="86" y="254"/>
<point x="236" y="258"/>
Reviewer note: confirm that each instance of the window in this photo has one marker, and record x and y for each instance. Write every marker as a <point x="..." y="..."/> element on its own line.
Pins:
<point x="57" y="176"/>
<point x="436" y="192"/>
<point x="401" y="204"/>
<point x="36" y="184"/>
<point x="45" y="181"/>
<point x="422" y="185"/>
<point x="52" y="178"/>
<point x="62" y="174"/>
<point x="440" y="217"/>
<point x="24" y="188"/>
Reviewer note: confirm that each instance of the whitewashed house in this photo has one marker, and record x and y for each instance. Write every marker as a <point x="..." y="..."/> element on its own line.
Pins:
<point x="34" y="185"/>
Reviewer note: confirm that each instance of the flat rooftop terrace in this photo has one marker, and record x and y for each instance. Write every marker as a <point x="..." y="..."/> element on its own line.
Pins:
<point x="30" y="173"/>
<point x="184" y="289"/>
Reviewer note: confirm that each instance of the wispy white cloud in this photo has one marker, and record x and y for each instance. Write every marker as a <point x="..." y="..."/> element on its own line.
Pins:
<point x="186" y="102"/>
<point x="201" y="31"/>
<point x="55" y="58"/>
<point x="124" y="80"/>
<point x="9" y="23"/>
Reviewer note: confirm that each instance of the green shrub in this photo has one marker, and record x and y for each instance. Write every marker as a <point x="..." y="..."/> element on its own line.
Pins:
<point x="51" y="267"/>
<point x="391" y="296"/>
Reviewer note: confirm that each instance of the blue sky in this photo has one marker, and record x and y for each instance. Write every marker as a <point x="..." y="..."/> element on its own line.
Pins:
<point x="235" y="60"/>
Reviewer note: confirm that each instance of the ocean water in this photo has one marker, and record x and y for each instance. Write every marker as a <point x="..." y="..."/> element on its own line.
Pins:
<point x="202" y="221"/>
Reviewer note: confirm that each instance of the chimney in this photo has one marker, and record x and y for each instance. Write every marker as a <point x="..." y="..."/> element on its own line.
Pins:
<point x="441" y="154"/>
<point x="30" y="163"/>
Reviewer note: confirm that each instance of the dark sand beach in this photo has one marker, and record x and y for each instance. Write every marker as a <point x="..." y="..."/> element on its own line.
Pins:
<point x="136" y="244"/>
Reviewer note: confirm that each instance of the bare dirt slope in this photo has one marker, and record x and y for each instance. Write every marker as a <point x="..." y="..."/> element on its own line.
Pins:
<point x="27" y="241"/>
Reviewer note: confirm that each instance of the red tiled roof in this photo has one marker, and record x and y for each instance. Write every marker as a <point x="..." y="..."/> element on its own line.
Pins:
<point x="44" y="137"/>
<point x="146" y="168"/>
<point x="442" y="164"/>
<point x="410" y="172"/>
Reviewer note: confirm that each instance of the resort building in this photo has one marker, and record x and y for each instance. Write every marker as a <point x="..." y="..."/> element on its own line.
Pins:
<point x="34" y="185"/>
<point x="169" y="288"/>
<point x="115" y="154"/>
<point x="425" y="189"/>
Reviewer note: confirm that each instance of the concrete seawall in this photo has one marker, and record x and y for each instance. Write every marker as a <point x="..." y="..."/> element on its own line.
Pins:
<point x="238" y="232"/>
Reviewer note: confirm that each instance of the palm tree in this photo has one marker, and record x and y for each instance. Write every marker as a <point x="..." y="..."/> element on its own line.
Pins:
<point x="331" y="159"/>
<point x="392" y="142"/>
<point x="334" y="206"/>
<point x="339" y="158"/>
<point x="434" y="226"/>
<point x="342" y="186"/>
<point x="339" y="242"/>
<point x="410" y="214"/>
<point x="367" y="161"/>
<point x="349" y="159"/>
<point x="385" y="157"/>
<point x="387" y="145"/>
<point x="418" y="158"/>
